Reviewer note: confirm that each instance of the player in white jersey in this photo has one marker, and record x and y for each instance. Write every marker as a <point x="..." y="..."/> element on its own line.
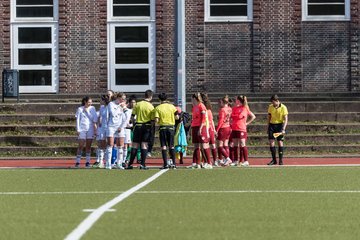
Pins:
<point x="127" y="129"/>
<point x="86" y="127"/>
<point x="101" y="132"/>
<point x="115" y="121"/>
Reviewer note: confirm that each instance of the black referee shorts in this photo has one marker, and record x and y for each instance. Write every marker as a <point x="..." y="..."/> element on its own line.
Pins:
<point x="142" y="133"/>
<point x="166" y="134"/>
<point x="275" y="128"/>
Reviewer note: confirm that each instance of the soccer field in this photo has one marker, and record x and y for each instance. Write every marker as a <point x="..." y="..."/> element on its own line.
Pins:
<point x="224" y="203"/>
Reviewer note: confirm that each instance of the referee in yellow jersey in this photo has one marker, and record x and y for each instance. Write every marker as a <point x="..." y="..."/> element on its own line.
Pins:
<point x="142" y="130"/>
<point x="277" y="122"/>
<point x="165" y="115"/>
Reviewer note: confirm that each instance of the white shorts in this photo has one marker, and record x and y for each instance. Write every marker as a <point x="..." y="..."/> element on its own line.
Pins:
<point x="86" y="134"/>
<point x="101" y="134"/>
<point x="127" y="134"/>
<point x="112" y="132"/>
<point x="122" y="133"/>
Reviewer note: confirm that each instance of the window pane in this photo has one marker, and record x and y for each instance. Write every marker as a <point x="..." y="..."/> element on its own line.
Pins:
<point x="227" y="1"/>
<point x="35" y="56"/>
<point x="326" y="1"/>
<point x="34" y="35"/>
<point x="228" y="11"/>
<point x="132" y="77"/>
<point x="131" y="34"/>
<point x="129" y="11"/>
<point x="34" y="11"/>
<point x="326" y="10"/>
<point x="35" y="77"/>
<point x="131" y="55"/>
<point x="131" y="1"/>
<point x="34" y="2"/>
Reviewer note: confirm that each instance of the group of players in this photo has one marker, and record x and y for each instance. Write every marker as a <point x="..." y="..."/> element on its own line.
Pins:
<point x="124" y="124"/>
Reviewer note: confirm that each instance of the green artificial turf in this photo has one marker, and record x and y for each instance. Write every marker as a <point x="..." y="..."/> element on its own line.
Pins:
<point x="231" y="203"/>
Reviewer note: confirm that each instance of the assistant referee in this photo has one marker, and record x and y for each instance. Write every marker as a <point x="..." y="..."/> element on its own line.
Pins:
<point x="277" y="122"/>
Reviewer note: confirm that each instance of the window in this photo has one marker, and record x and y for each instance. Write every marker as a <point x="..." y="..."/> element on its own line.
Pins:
<point x="34" y="41"/>
<point x="34" y="9"/>
<point x="325" y="10"/>
<point x="132" y="45"/>
<point x="131" y="53"/>
<point x="132" y="9"/>
<point x="34" y="44"/>
<point x="228" y="10"/>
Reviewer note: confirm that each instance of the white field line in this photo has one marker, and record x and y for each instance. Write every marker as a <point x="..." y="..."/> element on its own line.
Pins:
<point x="58" y="193"/>
<point x="250" y="191"/>
<point x="184" y="192"/>
<point x="85" y="225"/>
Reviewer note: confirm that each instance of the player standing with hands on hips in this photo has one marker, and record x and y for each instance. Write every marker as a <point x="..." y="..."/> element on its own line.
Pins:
<point x="277" y="122"/>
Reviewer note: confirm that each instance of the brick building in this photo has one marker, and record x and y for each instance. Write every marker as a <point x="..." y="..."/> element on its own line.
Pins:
<point x="88" y="46"/>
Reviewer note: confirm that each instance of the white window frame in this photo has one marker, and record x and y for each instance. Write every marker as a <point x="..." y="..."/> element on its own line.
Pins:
<point x="35" y="19"/>
<point x="114" y="22"/>
<point x="112" y="55"/>
<point x="53" y="88"/>
<point x="248" y="18"/>
<point x="17" y="23"/>
<point x="134" y="18"/>
<point x="306" y="17"/>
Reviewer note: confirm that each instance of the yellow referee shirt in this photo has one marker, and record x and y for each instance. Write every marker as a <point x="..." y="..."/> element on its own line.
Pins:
<point x="277" y="114"/>
<point x="143" y="111"/>
<point x="166" y="114"/>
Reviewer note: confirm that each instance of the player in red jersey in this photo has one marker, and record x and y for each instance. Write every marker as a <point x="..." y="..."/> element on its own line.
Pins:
<point x="212" y="131"/>
<point x="223" y="129"/>
<point x="200" y="131"/>
<point x="241" y="116"/>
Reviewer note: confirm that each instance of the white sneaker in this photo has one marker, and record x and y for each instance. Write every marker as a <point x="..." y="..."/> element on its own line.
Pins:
<point x="234" y="164"/>
<point x="227" y="162"/>
<point x="218" y="163"/>
<point x="192" y="166"/>
<point x="208" y="166"/>
<point x="119" y="167"/>
<point x="245" y="164"/>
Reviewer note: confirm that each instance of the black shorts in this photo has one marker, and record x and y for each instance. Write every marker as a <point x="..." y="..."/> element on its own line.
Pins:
<point x="142" y="133"/>
<point x="166" y="135"/>
<point x="275" y="128"/>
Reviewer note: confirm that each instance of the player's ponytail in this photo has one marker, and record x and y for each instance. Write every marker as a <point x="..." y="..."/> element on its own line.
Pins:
<point x="197" y="96"/>
<point x="206" y="101"/>
<point x="225" y="99"/>
<point x="243" y="100"/>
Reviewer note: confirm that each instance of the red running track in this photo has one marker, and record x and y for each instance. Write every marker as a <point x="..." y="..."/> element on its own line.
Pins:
<point x="69" y="163"/>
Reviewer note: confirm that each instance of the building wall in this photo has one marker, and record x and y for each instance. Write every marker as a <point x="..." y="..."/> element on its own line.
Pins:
<point x="276" y="52"/>
<point x="166" y="45"/>
<point x="326" y="54"/>
<point x="355" y="45"/>
<point x="4" y="34"/>
<point x="276" y="46"/>
<point x="83" y="46"/>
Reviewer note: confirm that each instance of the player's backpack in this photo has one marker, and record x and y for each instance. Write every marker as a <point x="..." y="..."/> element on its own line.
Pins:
<point x="186" y="119"/>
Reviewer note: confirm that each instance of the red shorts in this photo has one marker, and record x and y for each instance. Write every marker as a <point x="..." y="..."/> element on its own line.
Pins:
<point x="203" y="138"/>
<point x="224" y="134"/>
<point x="238" y="134"/>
